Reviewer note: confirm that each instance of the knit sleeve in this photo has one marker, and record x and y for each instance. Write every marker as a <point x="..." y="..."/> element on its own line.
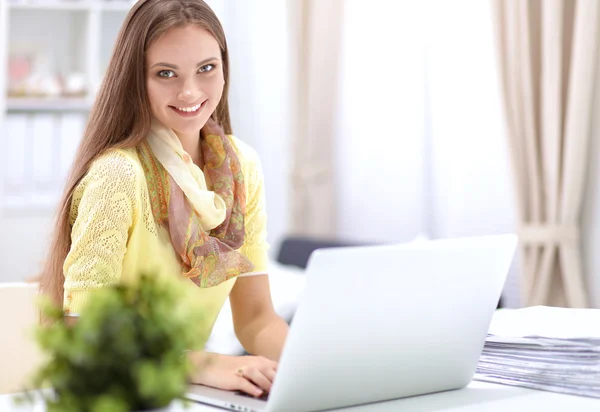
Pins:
<point x="255" y="245"/>
<point x="103" y="209"/>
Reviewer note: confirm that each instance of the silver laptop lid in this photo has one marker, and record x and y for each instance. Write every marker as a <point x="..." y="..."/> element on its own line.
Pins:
<point x="385" y="322"/>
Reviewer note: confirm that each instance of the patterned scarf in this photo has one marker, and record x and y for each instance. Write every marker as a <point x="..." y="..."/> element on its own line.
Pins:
<point x="206" y="226"/>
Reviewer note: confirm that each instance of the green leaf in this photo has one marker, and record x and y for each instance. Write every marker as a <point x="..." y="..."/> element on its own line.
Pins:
<point x="126" y="351"/>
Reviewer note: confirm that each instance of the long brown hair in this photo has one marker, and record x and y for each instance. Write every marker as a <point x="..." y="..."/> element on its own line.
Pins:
<point x="121" y="116"/>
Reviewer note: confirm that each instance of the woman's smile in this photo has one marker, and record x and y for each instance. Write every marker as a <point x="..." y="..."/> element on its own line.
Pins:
<point x="189" y="111"/>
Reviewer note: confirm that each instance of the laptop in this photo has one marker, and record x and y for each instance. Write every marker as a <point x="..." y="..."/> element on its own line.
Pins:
<point x="378" y="323"/>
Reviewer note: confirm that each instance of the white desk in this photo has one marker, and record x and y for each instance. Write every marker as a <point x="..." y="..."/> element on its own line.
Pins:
<point x="478" y="396"/>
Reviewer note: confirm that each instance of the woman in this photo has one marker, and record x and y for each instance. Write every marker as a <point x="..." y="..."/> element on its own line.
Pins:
<point x="159" y="183"/>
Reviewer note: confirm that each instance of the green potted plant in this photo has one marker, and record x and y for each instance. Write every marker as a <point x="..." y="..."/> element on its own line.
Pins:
<point x="126" y="352"/>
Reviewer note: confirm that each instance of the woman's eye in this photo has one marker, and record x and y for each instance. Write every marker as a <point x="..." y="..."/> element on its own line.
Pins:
<point x="166" y="74"/>
<point x="206" y="68"/>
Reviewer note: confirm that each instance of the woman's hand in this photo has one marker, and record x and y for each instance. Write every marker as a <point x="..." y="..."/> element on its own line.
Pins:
<point x="253" y="375"/>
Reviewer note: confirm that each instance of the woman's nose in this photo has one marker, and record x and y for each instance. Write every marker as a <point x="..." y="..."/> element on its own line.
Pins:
<point x="187" y="96"/>
<point x="190" y="92"/>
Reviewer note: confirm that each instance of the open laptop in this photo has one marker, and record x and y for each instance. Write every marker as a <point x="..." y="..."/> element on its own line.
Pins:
<point x="384" y="322"/>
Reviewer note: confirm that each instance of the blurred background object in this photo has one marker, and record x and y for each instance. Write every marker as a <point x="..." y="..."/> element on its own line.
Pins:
<point x="376" y="122"/>
<point x="19" y="354"/>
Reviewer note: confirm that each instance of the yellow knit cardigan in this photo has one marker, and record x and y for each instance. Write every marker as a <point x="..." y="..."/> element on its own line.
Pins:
<point x="114" y="236"/>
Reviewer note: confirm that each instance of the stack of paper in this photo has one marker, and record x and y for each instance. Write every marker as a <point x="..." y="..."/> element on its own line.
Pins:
<point x="554" y="349"/>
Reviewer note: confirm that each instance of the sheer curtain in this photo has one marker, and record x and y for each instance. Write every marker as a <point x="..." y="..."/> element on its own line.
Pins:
<point x="316" y="28"/>
<point x="380" y="147"/>
<point x="420" y="97"/>
<point x="283" y="94"/>
<point x="418" y="145"/>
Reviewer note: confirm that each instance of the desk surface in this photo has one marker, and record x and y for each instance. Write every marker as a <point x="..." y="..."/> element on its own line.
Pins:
<point x="478" y="396"/>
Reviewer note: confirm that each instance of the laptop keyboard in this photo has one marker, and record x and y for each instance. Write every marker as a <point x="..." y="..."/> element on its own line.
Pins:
<point x="263" y="397"/>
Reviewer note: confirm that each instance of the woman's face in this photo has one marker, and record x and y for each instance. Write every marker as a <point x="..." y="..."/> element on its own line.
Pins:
<point x="184" y="78"/>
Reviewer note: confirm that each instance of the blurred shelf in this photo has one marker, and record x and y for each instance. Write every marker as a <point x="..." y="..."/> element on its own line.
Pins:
<point x="14" y="104"/>
<point x="116" y="6"/>
<point x="74" y="5"/>
<point x="51" y="5"/>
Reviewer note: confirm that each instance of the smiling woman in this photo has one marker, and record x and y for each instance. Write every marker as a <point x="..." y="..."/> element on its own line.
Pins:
<point x="185" y="82"/>
<point x="161" y="185"/>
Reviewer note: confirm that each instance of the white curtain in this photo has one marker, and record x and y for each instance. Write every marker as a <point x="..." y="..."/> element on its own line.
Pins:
<point x="419" y="145"/>
<point x="414" y="87"/>
<point x="284" y="77"/>
<point x="547" y="53"/>
<point x="316" y="28"/>
<point x="420" y="148"/>
<point x="382" y="185"/>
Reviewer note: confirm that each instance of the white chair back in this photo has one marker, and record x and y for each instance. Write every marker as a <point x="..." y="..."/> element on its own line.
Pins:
<point x="19" y="355"/>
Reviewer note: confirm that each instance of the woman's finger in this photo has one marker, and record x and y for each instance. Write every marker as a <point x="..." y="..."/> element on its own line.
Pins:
<point x="257" y="377"/>
<point x="269" y="373"/>
<point x="245" y="385"/>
